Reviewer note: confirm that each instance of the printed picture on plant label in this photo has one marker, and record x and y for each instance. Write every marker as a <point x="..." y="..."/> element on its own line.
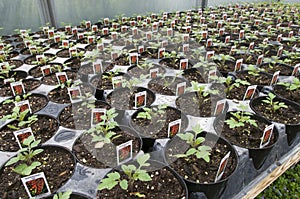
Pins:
<point x="36" y="185"/>
<point x="124" y="152"/>
<point x="174" y="128"/>
<point x="96" y="115"/>
<point x="17" y="88"/>
<point x="21" y="135"/>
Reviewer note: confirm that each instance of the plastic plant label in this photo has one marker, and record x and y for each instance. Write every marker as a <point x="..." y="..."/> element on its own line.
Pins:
<point x="279" y="52"/>
<point x="123" y="29"/>
<point x="155" y="27"/>
<point x="106" y="21"/>
<point x="274" y="78"/>
<point x="185" y="48"/>
<point x="124" y="19"/>
<point x="68" y="29"/>
<point x="74" y="94"/>
<point x="209" y="43"/>
<point x="117" y="82"/>
<point x="114" y="55"/>
<point x="132" y="23"/>
<point x="88" y="24"/>
<point x="188" y="29"/>
<point x="202" y="20"/>
<point x="21" y="135"/>
<point x="17" y="88"/>
<point x="36" y="185"/>
<point x="97" y="67"/>
<point x="222" y="167"/>
<point x="204" y="34"/>
<point x="161" y="53"/>
<point x="220" y="107"/>
<point x="148" y="36"/>
<point x="114" y="35"/>
<point x="115" y="25"/>
<point x="259" y="60"/>
<point x="141" y="49"/>
<point x="91" y="39"/>
<point x="265" y="139"/>
<point x="242" y="34"/>
<point x="27" y="43"/>
<point x="279" y="38"/>
<point x="209" y="55"/>
<point x="140" y="99"/>
<point x="291" y="34"/>
<point x="174" y="128"/>
<point x="186" y="37"/>
<point x="238" y="65"/>
<point x="32" y="49"/>
<point x="232" y="50"/>
<point x="278" y="26"/>
<point x="164" y="43"/>
<point x="74" y="30"/>
<point x="24" y="105"/>
<point x="100" y="47"/>
<point x="105" y="31"/>
<point x="138" y="18"/>
<point x="169" y="32"/>
<point x="124" y="152"/>
<point x="296" y="70"/>
<point x="46" y="70"/>
<point x="154" y="73"/>
<point x="40" y="58"/>
<point x="227" y="39"/>
<point x="221" y="31"/>
<point x="80" y="36"/>
<point x="173" y="24"/>
<point x="133" y="59"/>
<point x="65" y="43"/>
<point x="51" y="34"/>
<point x="134" y="31"/>
<point x="61" y="77"/>
<point x="251" y="46"/>
<point x="225" y="16"/>
<point x="183" y="64"/>
<point x="73" y="51"/>
<point x="57" y="38"/>
<point x="213" y="17"/>
<point x="96" y="115"/>
<point x="250" y="92"/>
<point x="95" y="28"/>
<point x="180" y="88"/>
<point x="269" y="28"/>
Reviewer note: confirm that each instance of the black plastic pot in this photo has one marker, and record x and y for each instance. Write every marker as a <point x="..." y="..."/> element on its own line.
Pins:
<point x="212" y="190"/>
<point x="292" y="130"/>
<point x="156" y="165"/>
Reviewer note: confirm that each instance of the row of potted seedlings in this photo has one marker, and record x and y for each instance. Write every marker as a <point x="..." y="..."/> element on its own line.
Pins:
<point x="130" y="83"/>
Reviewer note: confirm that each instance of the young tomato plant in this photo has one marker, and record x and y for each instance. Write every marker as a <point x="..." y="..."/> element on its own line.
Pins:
<point x="25" y="157"/>
<point x="294" y="85"/>
<point x="133" y="174"/>
<point x="150" y="113"/>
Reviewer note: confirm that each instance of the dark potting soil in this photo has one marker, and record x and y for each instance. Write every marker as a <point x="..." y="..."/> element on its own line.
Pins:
<point x="163" y="185"/>
<point x="198" y="170"/>
<point x="124" y="98"/>
<point x="157" y="127"/>
<point x="165" y="86"/>
<point x="272" y="68"/>
<point x="195" y="105"/>
<point x="137" y="72"/>
<point x="76" y="116"/>
<point x="29" y="85"/>
<point x="292" y="95"/>
<point x="57" y="165"/>
<point x="96" y="155"/>
<point x="37" y="72"/>
<point x="261" y="79"/>
<point x="36" y="102"/>
<point x="42" y="129"/>
<point x="52" y="80"/>
<point x="240" y="136"/>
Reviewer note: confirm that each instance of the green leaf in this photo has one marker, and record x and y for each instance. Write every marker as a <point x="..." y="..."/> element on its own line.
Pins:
<point x="35" y="143"/>
<point x="114" y="175"/>
<point x="144" y="177"/>
<point x="28" y="140"/>
<point x="143" y="159"/>
<point x="186" y="136"/>
<point x="124" y="184"/>
<point x="12" y="161"/>
<point x="191" y="151"/>
<point x="12" y="127"/>
<point x="38" y="151"/>
<point x="107" y="183"/>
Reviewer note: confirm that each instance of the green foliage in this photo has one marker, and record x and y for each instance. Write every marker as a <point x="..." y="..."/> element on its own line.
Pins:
<point x="20" y="117"/>
<point x="294" y="85"/>
<point x="4" y="72"/>
<point x="195" y="141"/>
<point x="104" y="131"/>
<point x="222" y="58"/>
<point x="132" y="172"/>
<point x="25" y="155"/>
<point x="149" y="113"/>
<point x="273" y="105"/>
<point x="86" y="101"/>
<point x="17" y="98"/>
<point x="65" y="195"/>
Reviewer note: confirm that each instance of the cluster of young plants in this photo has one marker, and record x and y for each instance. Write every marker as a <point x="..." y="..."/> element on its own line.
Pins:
<point x="273" y="105"/>
<point x="152" y="112"/>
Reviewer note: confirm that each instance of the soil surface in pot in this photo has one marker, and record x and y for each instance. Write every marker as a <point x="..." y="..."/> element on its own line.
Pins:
<point x="57" y="164"/>
<point x="271" y="68"/>
<point x="36" y="102"/>
<point x="198" y="170"/>
<point x="292" y="95"/>
<point x="195" y="105"/>
<point x="240" y="136"/>
<point x="137" y="72"/>
<point x="52" y="79"/>
<point x="44" y="128"/>
<point x="124" y="98"/>
<point x="76" y="116"/>
<point x="194" y="74"/>
<point x="163" y="185"/>
<point x="99" y="155"/>
<point x="37" y="72"/>
<point x="157" y="127"/>
<point x="261" y="79"/>
<point x="29" y="85"/>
